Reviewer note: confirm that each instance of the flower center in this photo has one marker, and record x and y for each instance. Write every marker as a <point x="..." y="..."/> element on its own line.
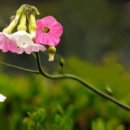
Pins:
<point x="45" y="30"/>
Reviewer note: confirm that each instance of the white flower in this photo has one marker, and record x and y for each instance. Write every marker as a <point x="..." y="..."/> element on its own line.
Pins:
<point x="2" y="98"/>
<point x="25" y="43"/>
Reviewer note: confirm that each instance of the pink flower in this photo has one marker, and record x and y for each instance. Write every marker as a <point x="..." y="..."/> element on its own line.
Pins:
<point x="7" y="44"/>
<point x="19" y="42"/>
<point x="25" y="43"/>
<point x="49" y="31"/>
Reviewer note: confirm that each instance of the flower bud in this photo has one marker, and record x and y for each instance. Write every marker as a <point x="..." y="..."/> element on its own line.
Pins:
<point x="35" y="10"/>
<point x="109" y="90"/>
<point x="52" y="51"/>
<point x="21" y="9"/>
<point x="12" y="25"/>
<point x="32" y="25"/>
<point x="61" y="62"/>
<point x="15" y="21"/>
<point x="22" y="25"/>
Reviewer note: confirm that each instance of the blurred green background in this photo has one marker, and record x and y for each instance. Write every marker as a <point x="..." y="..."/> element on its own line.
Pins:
<point x="96" y="47"/>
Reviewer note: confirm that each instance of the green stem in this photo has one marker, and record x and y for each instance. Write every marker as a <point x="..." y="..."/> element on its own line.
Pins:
<point x="73" y="77"/>
<point x="20" y="68"/>
<point x="69" y="76"/>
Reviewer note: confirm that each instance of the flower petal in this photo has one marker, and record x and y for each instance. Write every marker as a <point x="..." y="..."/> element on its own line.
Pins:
<point x="2" y="98"/>
<point x="25" y="43"/>
<point x="7" y="44"/>
<point x="53" y="36"/>
<point x="49" y="20"/>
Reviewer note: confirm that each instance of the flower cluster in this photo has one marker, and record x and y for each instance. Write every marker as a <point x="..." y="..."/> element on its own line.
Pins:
<point x="31" y="34"/>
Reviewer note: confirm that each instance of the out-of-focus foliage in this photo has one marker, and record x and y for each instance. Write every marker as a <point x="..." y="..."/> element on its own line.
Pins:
<point x="34" y="102"/>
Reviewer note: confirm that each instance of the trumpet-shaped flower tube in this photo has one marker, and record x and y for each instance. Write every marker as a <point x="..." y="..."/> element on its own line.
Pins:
<point x="19" y="42"/>
<point x="25" y="43"/>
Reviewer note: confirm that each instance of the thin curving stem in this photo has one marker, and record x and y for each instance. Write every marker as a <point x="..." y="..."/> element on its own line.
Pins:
<point x="84" y="83"/>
